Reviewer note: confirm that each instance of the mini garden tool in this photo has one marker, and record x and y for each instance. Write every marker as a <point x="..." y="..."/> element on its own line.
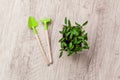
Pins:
<point x="32" y="24"/>
<point x="45" y="21"/>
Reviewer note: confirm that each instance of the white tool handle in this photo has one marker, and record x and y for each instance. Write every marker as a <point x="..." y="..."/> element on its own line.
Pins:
<point x="48" y="43"/>
<point x="42" y="50"/>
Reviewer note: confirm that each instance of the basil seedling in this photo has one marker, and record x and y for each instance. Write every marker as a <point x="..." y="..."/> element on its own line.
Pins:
<point x="74" y="38"/>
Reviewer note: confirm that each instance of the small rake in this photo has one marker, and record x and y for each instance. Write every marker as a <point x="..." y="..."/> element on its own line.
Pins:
<point x="45" y="21"/>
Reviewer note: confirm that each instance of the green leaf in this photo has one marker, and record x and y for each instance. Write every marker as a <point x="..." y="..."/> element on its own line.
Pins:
<point x="85" y="23"/>
<point x="69" y="23"/>
<point x="77" y="24"/>
<point x="64" y="25"/>
<point x="78" y="42"/>
<point x="71" y="46"/>
<point x="80" y="37"/>
<point x="71" y="36"/>
<point x="66" y="49"/>
<point x="61" y="53"/>
<point x="61" y="49"/>
<point x="85" y="47"/>
<point x="68" y="29"/>
<point x="64" y="29"/>
<point x="85" y="37"/>
<point x="61" y="32"/>
<point x="75" y="40"/>
<point x="67" y="34"/>
<point x="63" y="44"/>
<point x="62" y="39"/>
<point x="69" y="53"/>
<point x="65" y="21"/>
<point x="84" y="42"/>
<point x="78" y="48"/>
<point x="75" y="32"/>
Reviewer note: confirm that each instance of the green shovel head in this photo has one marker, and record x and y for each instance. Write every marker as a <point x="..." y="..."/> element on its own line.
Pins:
<point x="32" y="22"/>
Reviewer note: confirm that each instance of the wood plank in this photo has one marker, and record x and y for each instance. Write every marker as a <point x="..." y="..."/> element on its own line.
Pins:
<point x="20" y="57"/>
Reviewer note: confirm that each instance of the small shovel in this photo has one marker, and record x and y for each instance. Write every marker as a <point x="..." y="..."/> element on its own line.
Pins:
<point x="32" y="24"/>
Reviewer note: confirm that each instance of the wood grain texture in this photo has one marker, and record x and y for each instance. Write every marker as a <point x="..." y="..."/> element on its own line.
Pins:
<point x="20" y="57"/>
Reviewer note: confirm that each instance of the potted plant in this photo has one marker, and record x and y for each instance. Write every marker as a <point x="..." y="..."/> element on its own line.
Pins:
<point x="74" y="38"/>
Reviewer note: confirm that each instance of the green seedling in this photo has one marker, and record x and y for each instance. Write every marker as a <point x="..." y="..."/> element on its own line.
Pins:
<point x="74" y="38"/>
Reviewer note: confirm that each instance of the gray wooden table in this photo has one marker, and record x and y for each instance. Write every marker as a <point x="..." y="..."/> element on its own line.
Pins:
<point x="20" y="57"/>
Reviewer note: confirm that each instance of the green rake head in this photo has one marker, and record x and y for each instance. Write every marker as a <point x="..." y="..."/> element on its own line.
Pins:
<point x="45" y="21"/>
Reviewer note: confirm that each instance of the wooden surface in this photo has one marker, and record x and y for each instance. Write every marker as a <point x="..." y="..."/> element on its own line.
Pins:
<point x="20" y="57"/>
